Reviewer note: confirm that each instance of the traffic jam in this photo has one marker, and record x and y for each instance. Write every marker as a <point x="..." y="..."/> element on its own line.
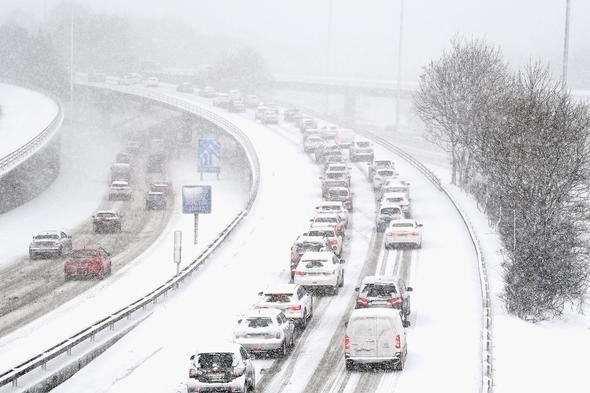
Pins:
<point x="375" y="333"/>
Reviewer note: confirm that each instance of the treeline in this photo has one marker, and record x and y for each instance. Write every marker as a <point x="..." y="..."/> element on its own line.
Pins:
<point x="519" y="143"/>
<point x="32" y="59"/>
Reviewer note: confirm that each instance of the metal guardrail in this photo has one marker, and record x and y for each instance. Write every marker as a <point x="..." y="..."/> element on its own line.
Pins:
<point x="12" y="160"/>
<point x="88" y="333"/>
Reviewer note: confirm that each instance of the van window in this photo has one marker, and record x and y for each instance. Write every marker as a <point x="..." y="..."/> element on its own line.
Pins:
<point x="363" y="327"/>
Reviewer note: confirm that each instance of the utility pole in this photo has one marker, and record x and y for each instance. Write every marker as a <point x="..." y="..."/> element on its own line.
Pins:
<point x="566" y="45"/>
<point x="399" y="66"/>
<point x="72" y="53"/>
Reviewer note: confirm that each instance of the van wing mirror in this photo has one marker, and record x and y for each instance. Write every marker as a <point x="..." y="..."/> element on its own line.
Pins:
<point x="409" y="289"/>
<point x="406" y="323"/>
<point x="356" y="289"/>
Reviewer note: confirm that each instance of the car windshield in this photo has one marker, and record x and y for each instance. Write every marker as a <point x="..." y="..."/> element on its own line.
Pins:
<point x="330" y="208"/>
<point x="258" y="322"/>
<point x="305" y="247"/>
<point x="223" y="359"/>
<point x="105" y="215"/>
<point x="379" y="290"/>
<point x="390" y="211"/>
<point x="402" y="225"/>
<point x="314" y="263"/>
<point x="84" y="253"/>
<point x="395" y="199"/>
<point x="46" y="237"/>
<point x="277" y="297"/>
<point x="322" y="233"/>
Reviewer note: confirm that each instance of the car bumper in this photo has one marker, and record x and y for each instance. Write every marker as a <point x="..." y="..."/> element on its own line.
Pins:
<point x="236" y="385"/>
<point x="260" y="344"/>
<point x="389" y="240"/>
<point x="374" y="359"/>
<point x="316" y="281"/>
<point x="38" y="251"/>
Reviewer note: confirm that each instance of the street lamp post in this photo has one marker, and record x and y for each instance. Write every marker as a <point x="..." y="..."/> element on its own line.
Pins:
<point x="566" y="45"/>
<point x="399" y="66"/>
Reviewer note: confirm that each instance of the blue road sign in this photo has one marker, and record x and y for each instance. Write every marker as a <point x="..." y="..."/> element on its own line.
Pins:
<point x="196" y="199"/>
<point x="209" y="153"/>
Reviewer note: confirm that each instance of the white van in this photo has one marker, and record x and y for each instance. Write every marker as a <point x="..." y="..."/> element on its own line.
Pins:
<point x="375" y="335"/>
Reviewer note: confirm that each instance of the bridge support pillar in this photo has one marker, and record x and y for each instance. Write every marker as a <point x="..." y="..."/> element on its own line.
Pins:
<point x="350" y="109"/>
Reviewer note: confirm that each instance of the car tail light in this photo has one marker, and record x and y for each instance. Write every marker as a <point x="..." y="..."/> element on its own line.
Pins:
<point x="333" y="241"/>
<point x="398" y="343"/>
<point x="413" y="233"/>
<point x="395" y="300"/>
<point x="192" y="373"/>
<point x="298" y="273"/>
<point x="295" y="308"/>
<point x="391" y="234"/>
<point x="363" y="301"/>
<point x="347" y="342"/>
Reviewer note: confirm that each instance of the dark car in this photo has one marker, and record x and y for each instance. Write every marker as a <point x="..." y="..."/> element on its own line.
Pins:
<point x="84" y="262"/>
<point x="384" y="291"/>
<point x="106" y="220"/>
<point x="185" y="87"/>
<point x="155" y="200"/>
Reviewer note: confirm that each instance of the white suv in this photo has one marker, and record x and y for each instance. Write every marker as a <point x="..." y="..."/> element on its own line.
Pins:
<point x="320" y="269"/>
<point x="293" y="300"/>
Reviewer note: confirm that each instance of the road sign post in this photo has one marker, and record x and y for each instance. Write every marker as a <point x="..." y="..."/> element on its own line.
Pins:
<point x="196" y="200"/>
<point x="177" y="250"/>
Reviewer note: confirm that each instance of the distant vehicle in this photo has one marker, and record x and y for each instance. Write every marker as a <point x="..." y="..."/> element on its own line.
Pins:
<point x="235" y="94"/>
<point x="220" y="367"/>
<point x="320" y="270"/>
<point x="270" y="117"/>
<point x="332" y="157"/>
<point x="87" y="262"/>
<point x="289" y="114"/>
<point x="260" y="111"/>
<point x="375" y="336"/>
<point x="123" y="158"/>
<point x="222" y="100"/>
<point x="344" y="138"/>
<point x="381" y="175"/>
<point x="336" y="241"/>
<point x="307" y="123"/>
<point x="328" y="219"/>
<point x="339" y="167"/>
<point x="265" y="330"/>
<point x="106" y="220"/>
<point x="305" y="244"/>
<point x="400" y="199"/>
<point x="330" y="177"/>
<point x="155" y="200"/>
<point x="164" y="188"/>
<point x="340" y="194"/>
<point x="325" y="149"/>
<point x="133" y="145"/>
<point x="97" y="77"/>
<point x="155" y="163"/>
<point x="362" y="150"/>
<point x="378" y="164"/>
<point x="251" y="101"/>
<point x="388" y="212"/>
<point x="207" y="92"/>
<point x="310" y="132"/>
<point x="334" y="207"/>
<point x="384" y="292"/>
<point x="185" y="87"/>
<point x="329" y="133"/>
<point x="54" y="243"/>
<point x="120" y="171"/>
<point x="236" y="105"/>
<point x="312" y="143"/>
<point x="120" y="190"/>
<point x="404" y="231"/>
<point x="293" y="300"/>
<point x="395" y="185"/>
<point x="129" y="79"/>
<point x="152" y="82"/>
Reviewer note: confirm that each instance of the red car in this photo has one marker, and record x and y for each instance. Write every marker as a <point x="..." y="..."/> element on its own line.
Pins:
<point x="85" y="262"/>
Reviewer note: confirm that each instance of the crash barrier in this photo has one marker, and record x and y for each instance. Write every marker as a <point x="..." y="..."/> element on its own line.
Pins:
<point x="109" y="322"/>
<point x="12" y="160"/>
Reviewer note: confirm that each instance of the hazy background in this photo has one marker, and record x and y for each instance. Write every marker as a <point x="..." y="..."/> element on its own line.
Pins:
<point x="293" y="35"/>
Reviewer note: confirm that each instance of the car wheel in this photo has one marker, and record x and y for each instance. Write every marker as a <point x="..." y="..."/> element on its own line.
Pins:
<point x="283" y="350"/>
<point x="303" y="321"/>
<point x="68" y="277"/>
<point x="400" y="365"/>
<point x="335" y="290"/>
<point x="96" y="229"/>
<point x="292" y="341"/>
<point x="342" y="281"/>
<point x="419" y="245"/>
<point x="61" y="251"/>
<point x="31" y="256"/>
<point x="349" y="365"/>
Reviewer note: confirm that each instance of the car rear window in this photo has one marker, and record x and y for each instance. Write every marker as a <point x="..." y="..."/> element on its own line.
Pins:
<point x="330" y="208"/>
<point x="385" y="173"/>
<point x="390" y="211"/>
<point x="379" y="290"/>
<point x="326" y="219"/>
<point x="84" y="253"/>
<point x="402" y="225"/>
<point x="46" y="237"/>
<point x="258" y="322"/>
<point x="277" y="297"/>
<point x="338" y="192"/>
<point x="337" y="175"/>
<point x="314" y="263"/>
<point x="363" y="144"/>
<point x="306" y="247"/>
<point x="105" y="215"/>
<point x="382" y="163"/>
<point x="223" y="359"/>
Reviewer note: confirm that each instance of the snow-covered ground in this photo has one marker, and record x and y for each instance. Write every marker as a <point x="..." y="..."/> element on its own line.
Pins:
<point x="25" y="113"/>
<point x="444" y="343"/>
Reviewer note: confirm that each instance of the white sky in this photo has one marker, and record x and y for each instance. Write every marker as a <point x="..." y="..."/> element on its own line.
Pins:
<point x="293" y="35"/>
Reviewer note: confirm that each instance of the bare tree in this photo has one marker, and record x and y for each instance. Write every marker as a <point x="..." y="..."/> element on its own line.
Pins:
<point x="456" y="97"/>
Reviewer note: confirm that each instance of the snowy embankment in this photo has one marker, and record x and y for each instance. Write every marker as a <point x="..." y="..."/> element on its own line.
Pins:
<point x="25" y="113"/>
<point x="543" y="357"/>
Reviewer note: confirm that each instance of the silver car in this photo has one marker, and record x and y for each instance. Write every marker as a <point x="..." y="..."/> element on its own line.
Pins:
<point x="264" y="330"/>
<point x="55" y="243"/>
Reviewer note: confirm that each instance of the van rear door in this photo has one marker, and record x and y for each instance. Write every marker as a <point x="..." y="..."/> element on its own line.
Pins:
<point x="386" y="340"/>
<point x="363" y="333"/>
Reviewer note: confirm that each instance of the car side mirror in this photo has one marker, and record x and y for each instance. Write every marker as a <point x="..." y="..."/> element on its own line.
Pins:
<point x="342" y="261"/>
<point x="260" y="293"/>
<point x="346" y="324"/>
<point x="406" y="324"/>
<point x="409" y="289"/>
<point x="356" y="289"/>
<point x="239" y="321"/>
<point x="192" y="357"/>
